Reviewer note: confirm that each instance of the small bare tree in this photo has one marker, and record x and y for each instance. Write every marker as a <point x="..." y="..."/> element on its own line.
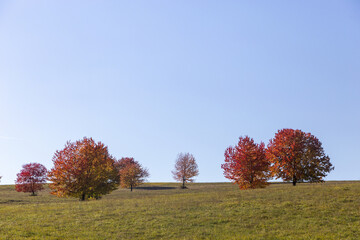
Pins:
<point x="185" y="168"/>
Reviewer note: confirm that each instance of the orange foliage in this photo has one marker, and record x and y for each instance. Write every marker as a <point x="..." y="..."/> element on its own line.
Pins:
<point x="83" y="169"/>
<point x="131" y="173"/>
<point x="185" y="168"/>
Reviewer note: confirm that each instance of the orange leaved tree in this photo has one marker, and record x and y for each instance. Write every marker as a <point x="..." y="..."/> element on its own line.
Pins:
<point x="185" y="168"/>
<point x="131" y="173"/>
<point x="83" y="169"/>
<point x="246" y="164"/>
<point x="297" y="156"/>
<point x="31" y="178"/>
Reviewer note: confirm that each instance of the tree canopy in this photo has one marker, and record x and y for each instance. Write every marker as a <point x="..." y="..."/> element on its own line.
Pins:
<point x="246" y="164"/>
<point x="31" y="178"/>
<point x="131" y="173"/>
<point x="186" y="168"/>
<point x="297" y="156"/>
<point x="83" y="169"/>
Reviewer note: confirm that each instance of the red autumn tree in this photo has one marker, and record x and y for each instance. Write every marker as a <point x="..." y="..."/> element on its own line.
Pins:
<point x="83" y="169"/>
<point x="246" y="164"/>
<point x="297" y="156"/>
<point x="131" y="173"/>
<point x="31" y="178"/>
<point x="185" y="168"/>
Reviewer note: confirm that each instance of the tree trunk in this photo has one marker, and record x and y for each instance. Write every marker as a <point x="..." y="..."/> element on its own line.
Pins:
<point x="294" y="180"/>
<point x="131" y="188"/>
<point x="32" y="188"/>
<point x="82" y="197"/>
<point x="183" y="186"/>
<point x="294" y="173"/>
<point x="251" y="174"/>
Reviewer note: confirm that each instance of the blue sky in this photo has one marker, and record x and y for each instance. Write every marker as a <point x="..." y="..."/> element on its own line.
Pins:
<point x="151" y="79"/>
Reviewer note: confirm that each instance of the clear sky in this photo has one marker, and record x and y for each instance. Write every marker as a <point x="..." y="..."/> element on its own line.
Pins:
<point x="151" y="79"/>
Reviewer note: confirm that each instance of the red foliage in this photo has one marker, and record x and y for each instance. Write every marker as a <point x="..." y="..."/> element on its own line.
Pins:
<point x="297" y="156"/>
<point x="83" y="169"/>
<point x="246" y="164"/>
<point x="31" y="178"/>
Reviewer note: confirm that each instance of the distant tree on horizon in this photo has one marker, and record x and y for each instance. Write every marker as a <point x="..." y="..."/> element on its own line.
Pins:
<point x="297" y="156"/>
<point x="246" y="164"/>
<point x="131" y="173"/>
<point x="185" y="168"/>
<point x="31" y="178"/>
<point x="83" y="169"/>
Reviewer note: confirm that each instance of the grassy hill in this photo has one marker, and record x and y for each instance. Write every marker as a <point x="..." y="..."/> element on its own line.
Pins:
<point x="204" y="211"/>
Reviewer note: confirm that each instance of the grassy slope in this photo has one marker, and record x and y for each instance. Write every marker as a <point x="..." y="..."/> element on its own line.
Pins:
<point x="205" y="210"/>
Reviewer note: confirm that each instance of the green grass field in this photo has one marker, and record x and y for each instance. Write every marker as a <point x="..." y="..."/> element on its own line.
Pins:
<point x="204" y="211"/>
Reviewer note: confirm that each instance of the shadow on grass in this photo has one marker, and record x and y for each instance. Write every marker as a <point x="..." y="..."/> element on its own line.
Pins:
<point x="155" y="188"/>
<point x="11" y="201"/>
